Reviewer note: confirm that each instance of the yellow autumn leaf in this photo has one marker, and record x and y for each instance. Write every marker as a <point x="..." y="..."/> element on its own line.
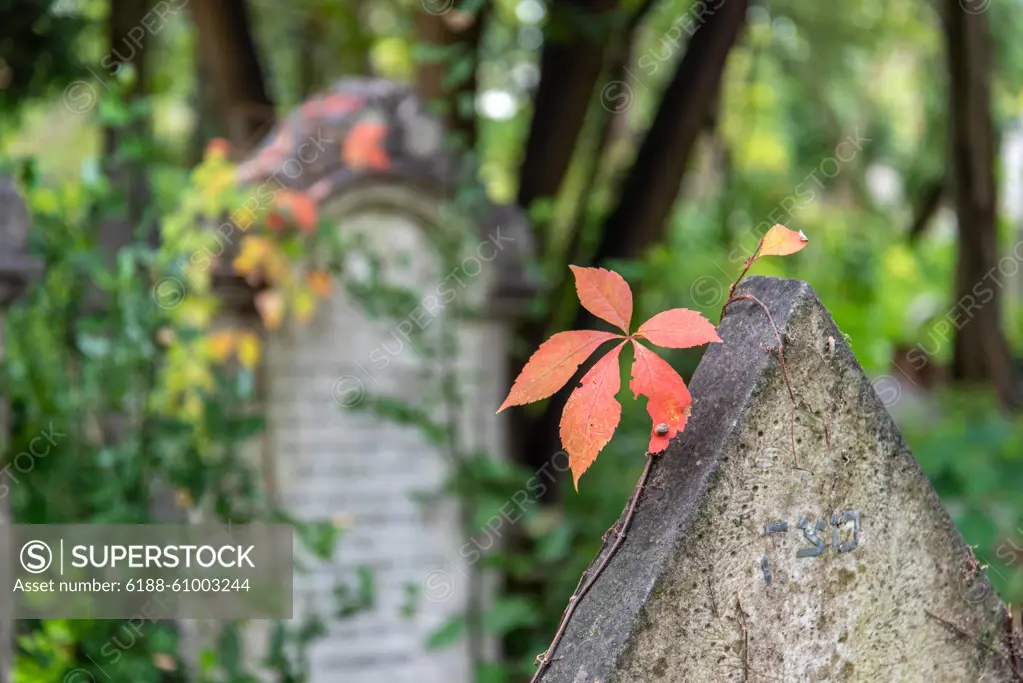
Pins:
<point x="780" y="241"/>
<point x="320" y="282"/>
<point x="192" y="407"/>
<point x="221" y="344"/>
<point x="244" y="217"/>
<point x="184" y="499"/>
<point x="251" y="255"/>
<point x="196" y="311"/>
<point x="304" y="305"/>
<point x="248" y="350"/>
<point x="276" y="266"/>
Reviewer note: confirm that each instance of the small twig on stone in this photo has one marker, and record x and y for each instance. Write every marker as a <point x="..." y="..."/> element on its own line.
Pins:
<point x="745" y="269"/>
<point x="710" y="590"/>
<point x="547" y="657"/>
<point x="784" y="369"/>
<point x="952" y="626"/>
<point x="745" y="636"/>
<point x="827" y="430"/>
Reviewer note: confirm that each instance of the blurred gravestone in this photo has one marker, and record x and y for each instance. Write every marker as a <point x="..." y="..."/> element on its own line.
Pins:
<point x="17" y="271"/>
<point x="740" y="567"/>
<point x="374" y="163"/>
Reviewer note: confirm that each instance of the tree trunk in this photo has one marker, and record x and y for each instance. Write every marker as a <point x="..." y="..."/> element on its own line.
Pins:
<point x="447" y="80"/>
<point x="981" y="353"/>
<point x="126" y="47"/>
<point x="229" y="50"/>
<point x="572" y="60"/>
<point x="207" y="123"/>
<point x="649" y="192"/>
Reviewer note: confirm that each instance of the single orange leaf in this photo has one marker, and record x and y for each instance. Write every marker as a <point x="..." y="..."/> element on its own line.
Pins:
<point x="668" y="399"/>
<point x="363" y="147"/>
<point x="592" y="414"/>
<point x="299" y="206"/>
<point x="553" y="364"/>
<point x="780" y="241"/>
<point x="605" y="294"/>
<point x="678" y="328"/>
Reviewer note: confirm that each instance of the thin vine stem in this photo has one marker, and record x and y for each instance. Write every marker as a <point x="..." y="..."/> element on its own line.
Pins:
<point x="547" y="657"/>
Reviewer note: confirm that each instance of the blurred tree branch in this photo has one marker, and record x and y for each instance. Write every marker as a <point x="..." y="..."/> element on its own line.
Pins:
<point x="573" y="58"/>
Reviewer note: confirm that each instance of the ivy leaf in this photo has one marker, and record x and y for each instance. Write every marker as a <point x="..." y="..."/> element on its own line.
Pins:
<point x="668" y="399"/>
<point x="605" y="294"/>
<point x="678" y="328"/>
<point x="553" y="364"/>
<point x="780" y="241"/>
<point x="592" y="414"/>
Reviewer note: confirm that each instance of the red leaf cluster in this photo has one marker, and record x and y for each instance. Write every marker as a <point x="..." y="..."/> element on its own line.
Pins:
<point x="592" y="412"/>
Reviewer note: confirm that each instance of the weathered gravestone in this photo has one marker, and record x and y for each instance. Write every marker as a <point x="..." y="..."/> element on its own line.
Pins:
<point x="331" y="460"/>
<point x="17" y="271"/>
<point x="740" y="567"/>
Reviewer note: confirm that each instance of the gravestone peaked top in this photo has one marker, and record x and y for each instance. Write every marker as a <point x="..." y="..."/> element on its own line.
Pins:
<point x="740" y="567"/>
<point x="371" y="140"/>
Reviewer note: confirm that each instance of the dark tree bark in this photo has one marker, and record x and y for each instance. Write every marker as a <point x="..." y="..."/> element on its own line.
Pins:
<point x="129" y="44"/>
<point x="438" y="80"/>
<point x="650" y="189"/>
<point x="927" y="206"/>
<point x="981" y="353"/>
<point x="227" y="46"/>
<point x="571" y="63"/>
<point x="207" y="123"/>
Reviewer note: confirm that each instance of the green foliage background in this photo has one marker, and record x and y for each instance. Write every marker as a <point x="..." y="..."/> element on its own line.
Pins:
<point x="807" y="77"/>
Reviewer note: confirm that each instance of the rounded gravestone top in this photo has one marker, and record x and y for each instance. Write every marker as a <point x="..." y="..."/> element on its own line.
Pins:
<point x="364" y="131"/>
<point x="361" y="127"/>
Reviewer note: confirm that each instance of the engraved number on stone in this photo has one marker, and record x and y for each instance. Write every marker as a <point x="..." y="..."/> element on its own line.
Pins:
<point x="810" y="534"/>
<point x="844" y="518"/>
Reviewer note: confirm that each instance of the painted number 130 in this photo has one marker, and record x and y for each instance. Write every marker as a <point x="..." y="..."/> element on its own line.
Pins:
<point x="811" y="533"/>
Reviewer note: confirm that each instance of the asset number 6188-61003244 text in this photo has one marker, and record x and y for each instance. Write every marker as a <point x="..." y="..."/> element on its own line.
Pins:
<point x="215" y="585"/>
